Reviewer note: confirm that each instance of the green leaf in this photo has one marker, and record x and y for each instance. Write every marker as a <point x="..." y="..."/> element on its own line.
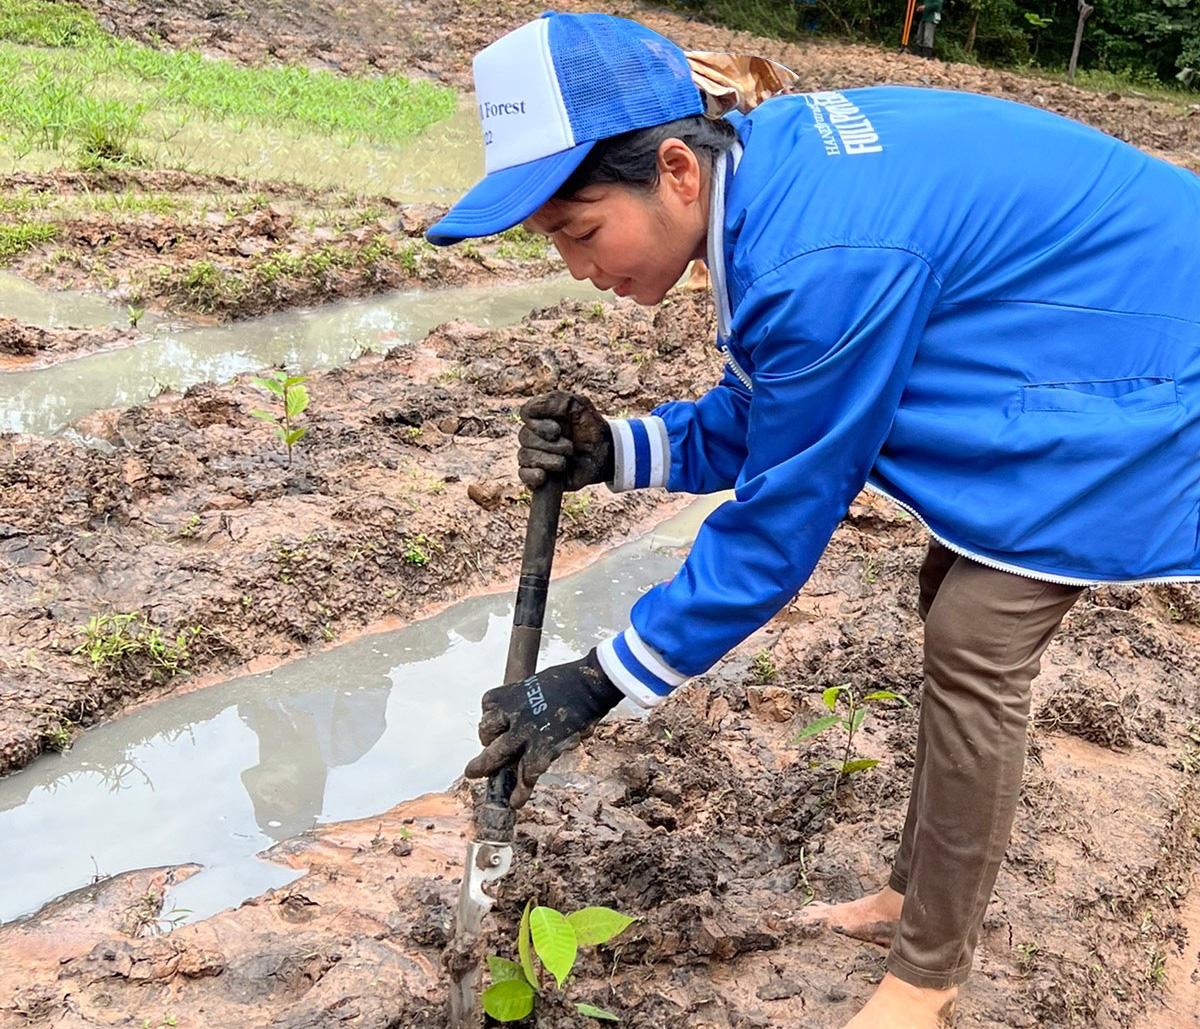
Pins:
<point x="297" y="401"/>
<point x="502" y="969"/>
<point x="295" y="380"/>
<point x="524" y="950"/>
<point x="294" y="436"/>
<point x="817" y="727"/>
<point x="830" y="696"/>
<point x="594" y="1012"/>
<point x="597" y="925"/>
<point x="265" y="416"/>
<point x="858" y="765"/>
<point x="554" y="940"/>
<point x="856" y="723"/>
<point x="885" y="695"/>
<point x="270" y="384"/>
<point x="508" y="1001"/>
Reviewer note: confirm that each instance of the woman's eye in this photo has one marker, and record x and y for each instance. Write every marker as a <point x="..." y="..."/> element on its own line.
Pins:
<point x="586" y="236"/>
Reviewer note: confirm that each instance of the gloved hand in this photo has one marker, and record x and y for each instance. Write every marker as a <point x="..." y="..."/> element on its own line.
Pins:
<point x="565" y="433"/>
<point x="531" y="722"/>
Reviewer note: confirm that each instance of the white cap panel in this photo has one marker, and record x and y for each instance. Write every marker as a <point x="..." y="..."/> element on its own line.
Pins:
<point x="521" y="108"/>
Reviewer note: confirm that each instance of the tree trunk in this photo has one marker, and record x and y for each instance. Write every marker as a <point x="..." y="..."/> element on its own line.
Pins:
<point x="1085" y="10"/>
<point x="969" y="45"/>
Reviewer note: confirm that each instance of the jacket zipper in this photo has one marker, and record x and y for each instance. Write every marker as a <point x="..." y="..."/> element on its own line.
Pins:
<point x="736" y="368"/>
<point x="1027" y="573"/>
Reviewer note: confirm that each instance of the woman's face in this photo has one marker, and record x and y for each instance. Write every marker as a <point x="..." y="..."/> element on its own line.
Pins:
<point x="636" y="242"/>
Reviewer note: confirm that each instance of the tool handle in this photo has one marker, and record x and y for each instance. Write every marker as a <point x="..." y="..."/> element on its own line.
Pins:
<point x="495" y="819"/>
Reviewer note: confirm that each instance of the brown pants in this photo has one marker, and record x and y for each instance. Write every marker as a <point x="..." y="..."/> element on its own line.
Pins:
<point x="985" y="631"/>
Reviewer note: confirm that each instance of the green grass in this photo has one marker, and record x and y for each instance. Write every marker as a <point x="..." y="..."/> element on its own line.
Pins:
<point x="15" y="239"/>
<point x="1111" y="82"/>
<point x="63" y="80"/>
<point x="518" y="244"/>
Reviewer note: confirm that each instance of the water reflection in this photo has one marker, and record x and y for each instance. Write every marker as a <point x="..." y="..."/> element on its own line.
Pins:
<point x="44" y="400"/>
<point x="215" y="776"/>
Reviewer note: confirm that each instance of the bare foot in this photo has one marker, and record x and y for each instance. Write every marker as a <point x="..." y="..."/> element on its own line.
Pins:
<point x="872" y="918"/>
<point x="896" y="1004"/>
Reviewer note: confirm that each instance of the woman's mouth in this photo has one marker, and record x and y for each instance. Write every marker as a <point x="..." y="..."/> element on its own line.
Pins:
<point x="623" y="288"/>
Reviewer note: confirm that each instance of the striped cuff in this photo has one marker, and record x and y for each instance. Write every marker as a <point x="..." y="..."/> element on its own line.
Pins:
<point x="641" y="453"/>
<point x="636" y="670"/>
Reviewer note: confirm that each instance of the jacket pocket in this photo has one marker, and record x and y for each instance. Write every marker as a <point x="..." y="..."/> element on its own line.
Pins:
<point x="1100" y="396"/>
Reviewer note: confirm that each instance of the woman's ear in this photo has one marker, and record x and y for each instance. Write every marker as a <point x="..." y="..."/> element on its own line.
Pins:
<point x="679" y="170"/>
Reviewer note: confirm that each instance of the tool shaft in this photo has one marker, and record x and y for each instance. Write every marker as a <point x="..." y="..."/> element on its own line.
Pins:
<point x="494" y="819"/>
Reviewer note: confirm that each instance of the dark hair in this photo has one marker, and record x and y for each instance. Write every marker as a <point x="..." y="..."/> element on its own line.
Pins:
<point x="631" y="159"/>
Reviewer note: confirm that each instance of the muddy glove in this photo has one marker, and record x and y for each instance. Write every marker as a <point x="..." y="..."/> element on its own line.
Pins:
<point x="533" y="721"/>
<point x="565" y="433"/>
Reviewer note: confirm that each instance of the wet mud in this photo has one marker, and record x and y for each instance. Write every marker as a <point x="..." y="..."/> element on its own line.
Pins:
<point x="231" y="250"/>
<point x="707" y="820"/>
<point x="186" y="514"/>
<point x="715" y="828"/>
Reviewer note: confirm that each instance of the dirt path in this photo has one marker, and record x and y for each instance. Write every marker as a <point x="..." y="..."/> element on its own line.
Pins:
<point x="402" y="494"/>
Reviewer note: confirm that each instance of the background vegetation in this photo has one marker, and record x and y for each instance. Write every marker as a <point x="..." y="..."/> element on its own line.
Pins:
<point x="1148" y="42"/>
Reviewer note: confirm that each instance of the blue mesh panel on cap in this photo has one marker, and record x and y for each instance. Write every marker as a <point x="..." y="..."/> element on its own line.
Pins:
<point x="616" y="75"/>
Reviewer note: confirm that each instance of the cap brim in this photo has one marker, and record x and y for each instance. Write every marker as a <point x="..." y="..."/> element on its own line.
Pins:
<point x="506" y="198"/>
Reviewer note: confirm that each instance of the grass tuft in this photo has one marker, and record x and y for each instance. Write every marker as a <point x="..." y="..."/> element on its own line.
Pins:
<point x="16" y="239"/>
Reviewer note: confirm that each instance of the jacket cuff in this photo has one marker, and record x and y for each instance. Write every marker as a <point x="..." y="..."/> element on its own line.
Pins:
<point x="641" y="453"/>
<point x="636" y="670"/>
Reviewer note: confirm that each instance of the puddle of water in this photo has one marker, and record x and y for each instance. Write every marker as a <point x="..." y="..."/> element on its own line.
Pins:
<point x="45" y="400"/>
<point x="22" y="300"/>
<point x="218" y="775"/>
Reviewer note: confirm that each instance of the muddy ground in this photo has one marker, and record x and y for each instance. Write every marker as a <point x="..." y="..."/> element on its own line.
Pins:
<point x="712" y="826"/>
<point x="220" y="248"/>
<point x="706" y="821"/>
<point x="402" y="494"/>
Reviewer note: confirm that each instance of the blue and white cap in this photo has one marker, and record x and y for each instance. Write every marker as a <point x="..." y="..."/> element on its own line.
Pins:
<point x="547" y="92"/>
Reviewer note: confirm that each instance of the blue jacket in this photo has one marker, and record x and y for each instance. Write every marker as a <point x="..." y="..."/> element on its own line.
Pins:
<point x="985" y="311"/>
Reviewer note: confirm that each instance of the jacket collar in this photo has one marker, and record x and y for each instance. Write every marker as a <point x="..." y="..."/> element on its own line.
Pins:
<point x="724" y="168"/>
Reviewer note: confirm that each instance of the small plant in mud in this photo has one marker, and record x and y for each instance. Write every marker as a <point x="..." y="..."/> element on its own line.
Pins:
<point x="576" y="506"/>
<point x="188" y="529"/>
<point x="114" y="642"/>
<point x="555" y="939"/>
<point x="57" y="737"/>
<point x="418" y="550"/>
<point x="845" y="699"/>
<point x="520" y="244"/>
<point x="1026" y="956"/>
<point x="145" y="917"/>
<point x="293" y="400"/>
<point x="134" y="313"/>
<point x="762" y="668"/>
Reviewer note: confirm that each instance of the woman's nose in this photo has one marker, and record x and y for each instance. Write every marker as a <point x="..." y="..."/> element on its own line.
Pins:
<point x="578" y="264"/>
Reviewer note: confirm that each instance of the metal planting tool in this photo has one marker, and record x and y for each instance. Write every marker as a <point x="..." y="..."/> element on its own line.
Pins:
<point x="490" y="854"/>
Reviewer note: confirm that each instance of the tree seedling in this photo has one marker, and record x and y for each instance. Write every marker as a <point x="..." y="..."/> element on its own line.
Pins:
<point x="555" y="939"/>
<point x="293" y="398"/>
<point x="856" y="709"/>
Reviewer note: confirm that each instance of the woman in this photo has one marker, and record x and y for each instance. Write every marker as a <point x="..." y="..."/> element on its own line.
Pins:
<point x="986" y="312"/>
